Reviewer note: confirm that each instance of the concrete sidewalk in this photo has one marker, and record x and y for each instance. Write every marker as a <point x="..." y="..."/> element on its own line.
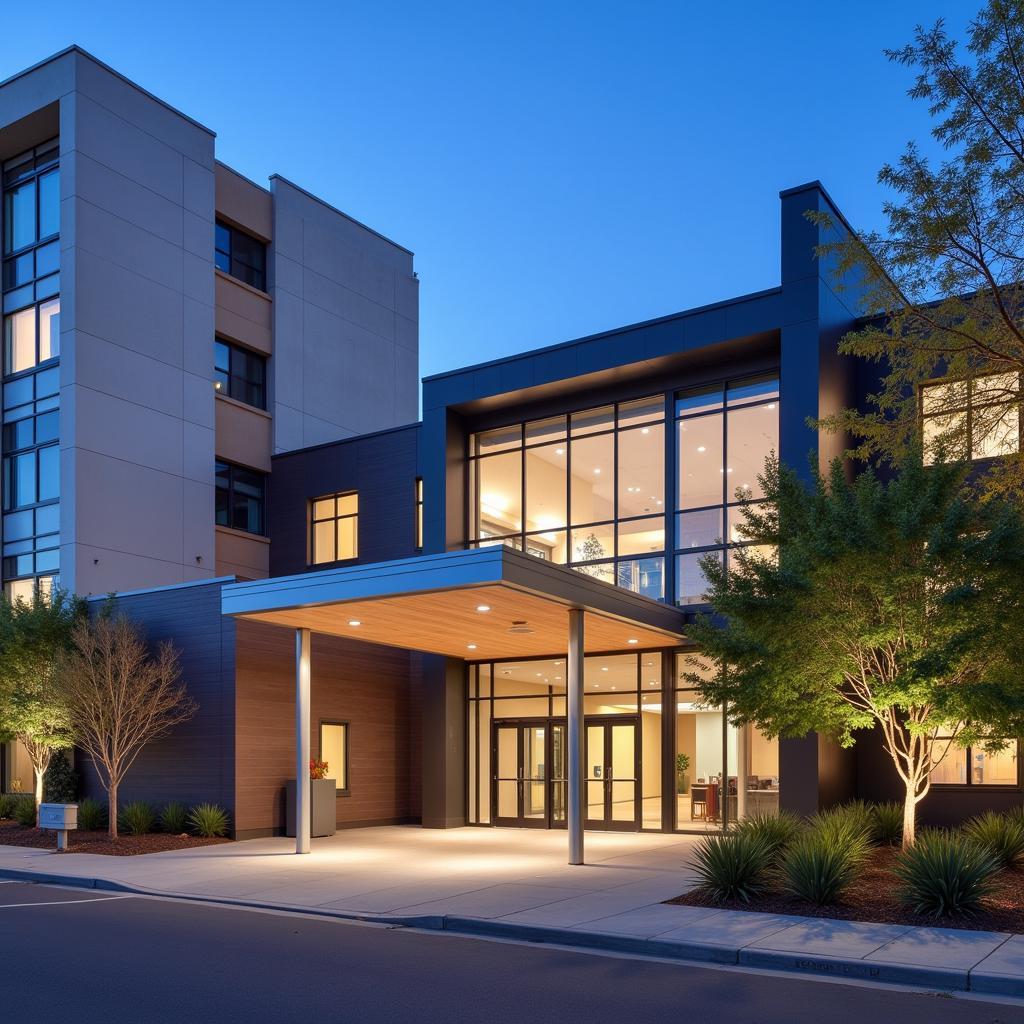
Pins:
<point x="515" y="884"/>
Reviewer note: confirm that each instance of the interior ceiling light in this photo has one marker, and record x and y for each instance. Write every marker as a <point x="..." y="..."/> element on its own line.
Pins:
<point x="632" y="640"/>
<point x="483" y="607"/>
<point x="470" y="647"/>
<point x="354" y="622"/>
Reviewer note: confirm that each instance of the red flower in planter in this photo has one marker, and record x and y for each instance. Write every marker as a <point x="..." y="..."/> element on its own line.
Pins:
<point x="317" y="769"/>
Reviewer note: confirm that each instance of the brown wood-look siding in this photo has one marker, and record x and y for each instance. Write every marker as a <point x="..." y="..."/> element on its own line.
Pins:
<point x="368" y="686"/>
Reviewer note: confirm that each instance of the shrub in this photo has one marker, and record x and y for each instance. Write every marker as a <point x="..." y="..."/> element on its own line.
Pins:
<point x="851" y="823"/>
<point x="7" y="802"/>
<point x="776" y="831"/>
<point x="174" y="818"/>
<point x="25" y="811"/>
<point x="732" y="867"/>
<point x="887" y="821"/>
<point x="60" y="783"/>
<point x="208" y="820"/>
<point x="137" y="818"/>
<point x="92" y="815"/>
<point x="823" y="862"/>
<point x="945" y="873"/>
<point x="1000" y="835"/>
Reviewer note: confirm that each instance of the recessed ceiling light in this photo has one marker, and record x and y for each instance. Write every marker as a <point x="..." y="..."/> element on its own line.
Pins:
<point x="483" y="607"/>
<point x="539" y="674"/>
<point x="354" y="622"/>
<point x="597" y="470"/>
<point x="632" y="640"/>
<point x="470" y="647"/>
<point x="559" y="451"/>
<point x="604" y="668"/>
<point x="701" y="448"/>
<point x="645" y="430"/>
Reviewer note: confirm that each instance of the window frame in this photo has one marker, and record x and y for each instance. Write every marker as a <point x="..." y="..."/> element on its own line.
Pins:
<point x="967" y="411"/>
<point x="346" y="727"/>
<point x="312" y="522"/>
<point x="233" y="377"/>
<point x="234" y="260"/>
<point x="232" y="468"/>
<point x="521" y="539"/>
<point x="984" y="787"/>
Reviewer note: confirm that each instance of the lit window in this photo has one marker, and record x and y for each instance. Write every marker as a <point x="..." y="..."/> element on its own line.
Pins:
<point x="334" y="533"/>
<point x="975" y="766"/>
<point x="334" y="750"/>
<point x="981" y="417"/>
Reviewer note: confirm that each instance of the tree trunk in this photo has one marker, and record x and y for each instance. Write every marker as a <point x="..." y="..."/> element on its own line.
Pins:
<point x="909" y="816"/>
<point x="112" y="811"/>
<point x="38" y="774"/>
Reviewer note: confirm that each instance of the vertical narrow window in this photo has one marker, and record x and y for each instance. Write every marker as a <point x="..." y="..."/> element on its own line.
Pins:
<point x="240" y="255"/>
<point x="419" y="513"/>
<point x="334" y="528"/>
<point x="240" y="497"/>
<point x="334" y="750"/>
<point x="239" y="373"/>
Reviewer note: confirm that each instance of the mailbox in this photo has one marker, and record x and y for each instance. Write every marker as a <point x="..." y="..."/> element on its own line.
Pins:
<point x="60" y="818"/>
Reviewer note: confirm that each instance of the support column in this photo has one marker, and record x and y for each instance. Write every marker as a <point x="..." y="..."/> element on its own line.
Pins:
<point x="742" y="770"/>
<point x="574" y="736"/>
<point x="303" y="805"/>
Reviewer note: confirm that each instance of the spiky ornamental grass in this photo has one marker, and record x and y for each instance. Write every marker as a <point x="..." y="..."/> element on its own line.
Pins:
<point x="92" y="815"/>
<point x="174" y="818"/>
<point x="945" y="874"/>
<point x="823" y="862"/>
<point x="887" y="823"/>
<point x="208" y="820"/>
<point x="776" y="831"/>
<point x="137" y="818"/>
<point x="733" y="867"/>
<point x="1000" y="835"/>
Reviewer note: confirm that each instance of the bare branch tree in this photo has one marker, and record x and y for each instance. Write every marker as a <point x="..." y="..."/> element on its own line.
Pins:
<point x="120" y="697"/>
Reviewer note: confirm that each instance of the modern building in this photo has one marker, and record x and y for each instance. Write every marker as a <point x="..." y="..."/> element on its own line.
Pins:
<point x="478" y="618"/>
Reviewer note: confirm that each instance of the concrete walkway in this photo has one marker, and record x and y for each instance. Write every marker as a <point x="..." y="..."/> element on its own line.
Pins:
<point x="515" y="883"/>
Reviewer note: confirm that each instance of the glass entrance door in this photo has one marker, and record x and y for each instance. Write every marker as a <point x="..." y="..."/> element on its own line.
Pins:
<point x="520" y="758"/>
<point x="612" y="761"/>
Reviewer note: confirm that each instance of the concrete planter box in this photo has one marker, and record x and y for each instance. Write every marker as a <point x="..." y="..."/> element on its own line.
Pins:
<point x="323" y="793"/>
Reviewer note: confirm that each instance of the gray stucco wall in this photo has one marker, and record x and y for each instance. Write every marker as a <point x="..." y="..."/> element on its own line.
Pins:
<point x="346" y="325"/>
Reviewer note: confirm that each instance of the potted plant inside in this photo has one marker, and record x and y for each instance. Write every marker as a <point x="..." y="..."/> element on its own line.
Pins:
<point x="682" y="779"/>
<point x="323" y="807"/>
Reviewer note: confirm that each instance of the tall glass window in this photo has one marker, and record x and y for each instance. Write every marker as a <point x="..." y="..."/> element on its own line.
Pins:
<point x="586" y="489"/>
<point x="30" y="281"/>
<point x="724" y="434"/>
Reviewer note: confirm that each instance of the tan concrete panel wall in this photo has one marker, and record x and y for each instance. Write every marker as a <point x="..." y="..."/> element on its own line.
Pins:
<point x="242" y="554"/>
<point x="244" y="203"/>
<point x="243" y="313"/>
<point x="243" y="434"/>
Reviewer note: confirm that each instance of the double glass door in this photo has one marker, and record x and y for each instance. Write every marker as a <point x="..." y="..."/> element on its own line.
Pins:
<point x="529" y="783"/>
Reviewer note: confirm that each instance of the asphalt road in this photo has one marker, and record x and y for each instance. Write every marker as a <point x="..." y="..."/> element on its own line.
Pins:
<point x="71" y="954"/>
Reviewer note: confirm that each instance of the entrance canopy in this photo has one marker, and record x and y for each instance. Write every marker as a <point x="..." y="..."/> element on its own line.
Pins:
<point x="487" y="603"/>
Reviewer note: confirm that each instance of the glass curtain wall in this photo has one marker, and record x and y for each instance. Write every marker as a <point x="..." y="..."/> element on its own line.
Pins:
<point x="722" y="773"/>
<point x="31" y="349"/>
<point x="723" y="437"/>
<point x="586" y="489"/>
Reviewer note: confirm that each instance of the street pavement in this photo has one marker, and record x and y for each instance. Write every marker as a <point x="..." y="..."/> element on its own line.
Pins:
<point x="91" y="955"/>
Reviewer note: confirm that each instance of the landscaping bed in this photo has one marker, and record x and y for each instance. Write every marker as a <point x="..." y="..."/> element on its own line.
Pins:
<point x="13" y="834"/>
<point x="872" y="898"/>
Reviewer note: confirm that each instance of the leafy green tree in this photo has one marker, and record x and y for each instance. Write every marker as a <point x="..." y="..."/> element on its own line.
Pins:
<point x="891" y="605"/>
<point x="33" y="709"/>
<point x="945" y="282"/>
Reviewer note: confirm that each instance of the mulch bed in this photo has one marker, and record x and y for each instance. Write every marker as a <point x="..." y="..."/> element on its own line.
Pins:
<point x="874" y="897"/>
<point x="13" y="834"/>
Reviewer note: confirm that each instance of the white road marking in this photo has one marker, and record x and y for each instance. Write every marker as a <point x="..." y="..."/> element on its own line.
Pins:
<point x="62" y="903"/>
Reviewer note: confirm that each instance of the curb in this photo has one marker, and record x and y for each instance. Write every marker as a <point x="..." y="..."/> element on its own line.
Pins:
<point x="879" y="972"/>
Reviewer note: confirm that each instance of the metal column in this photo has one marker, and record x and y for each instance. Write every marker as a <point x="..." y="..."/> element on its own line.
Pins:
<point x="303" y="805"/>
<point x="574" y="736"/>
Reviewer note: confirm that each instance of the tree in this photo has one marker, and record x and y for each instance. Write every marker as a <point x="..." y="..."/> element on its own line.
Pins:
<point x="33" y="710"/>
<point x="945" y="283"/>
<point x="891" y="605"/>
<point x="120" y="697"/>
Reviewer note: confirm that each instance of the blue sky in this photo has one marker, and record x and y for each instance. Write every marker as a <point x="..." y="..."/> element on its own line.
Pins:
<point x="558" y="168"/>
